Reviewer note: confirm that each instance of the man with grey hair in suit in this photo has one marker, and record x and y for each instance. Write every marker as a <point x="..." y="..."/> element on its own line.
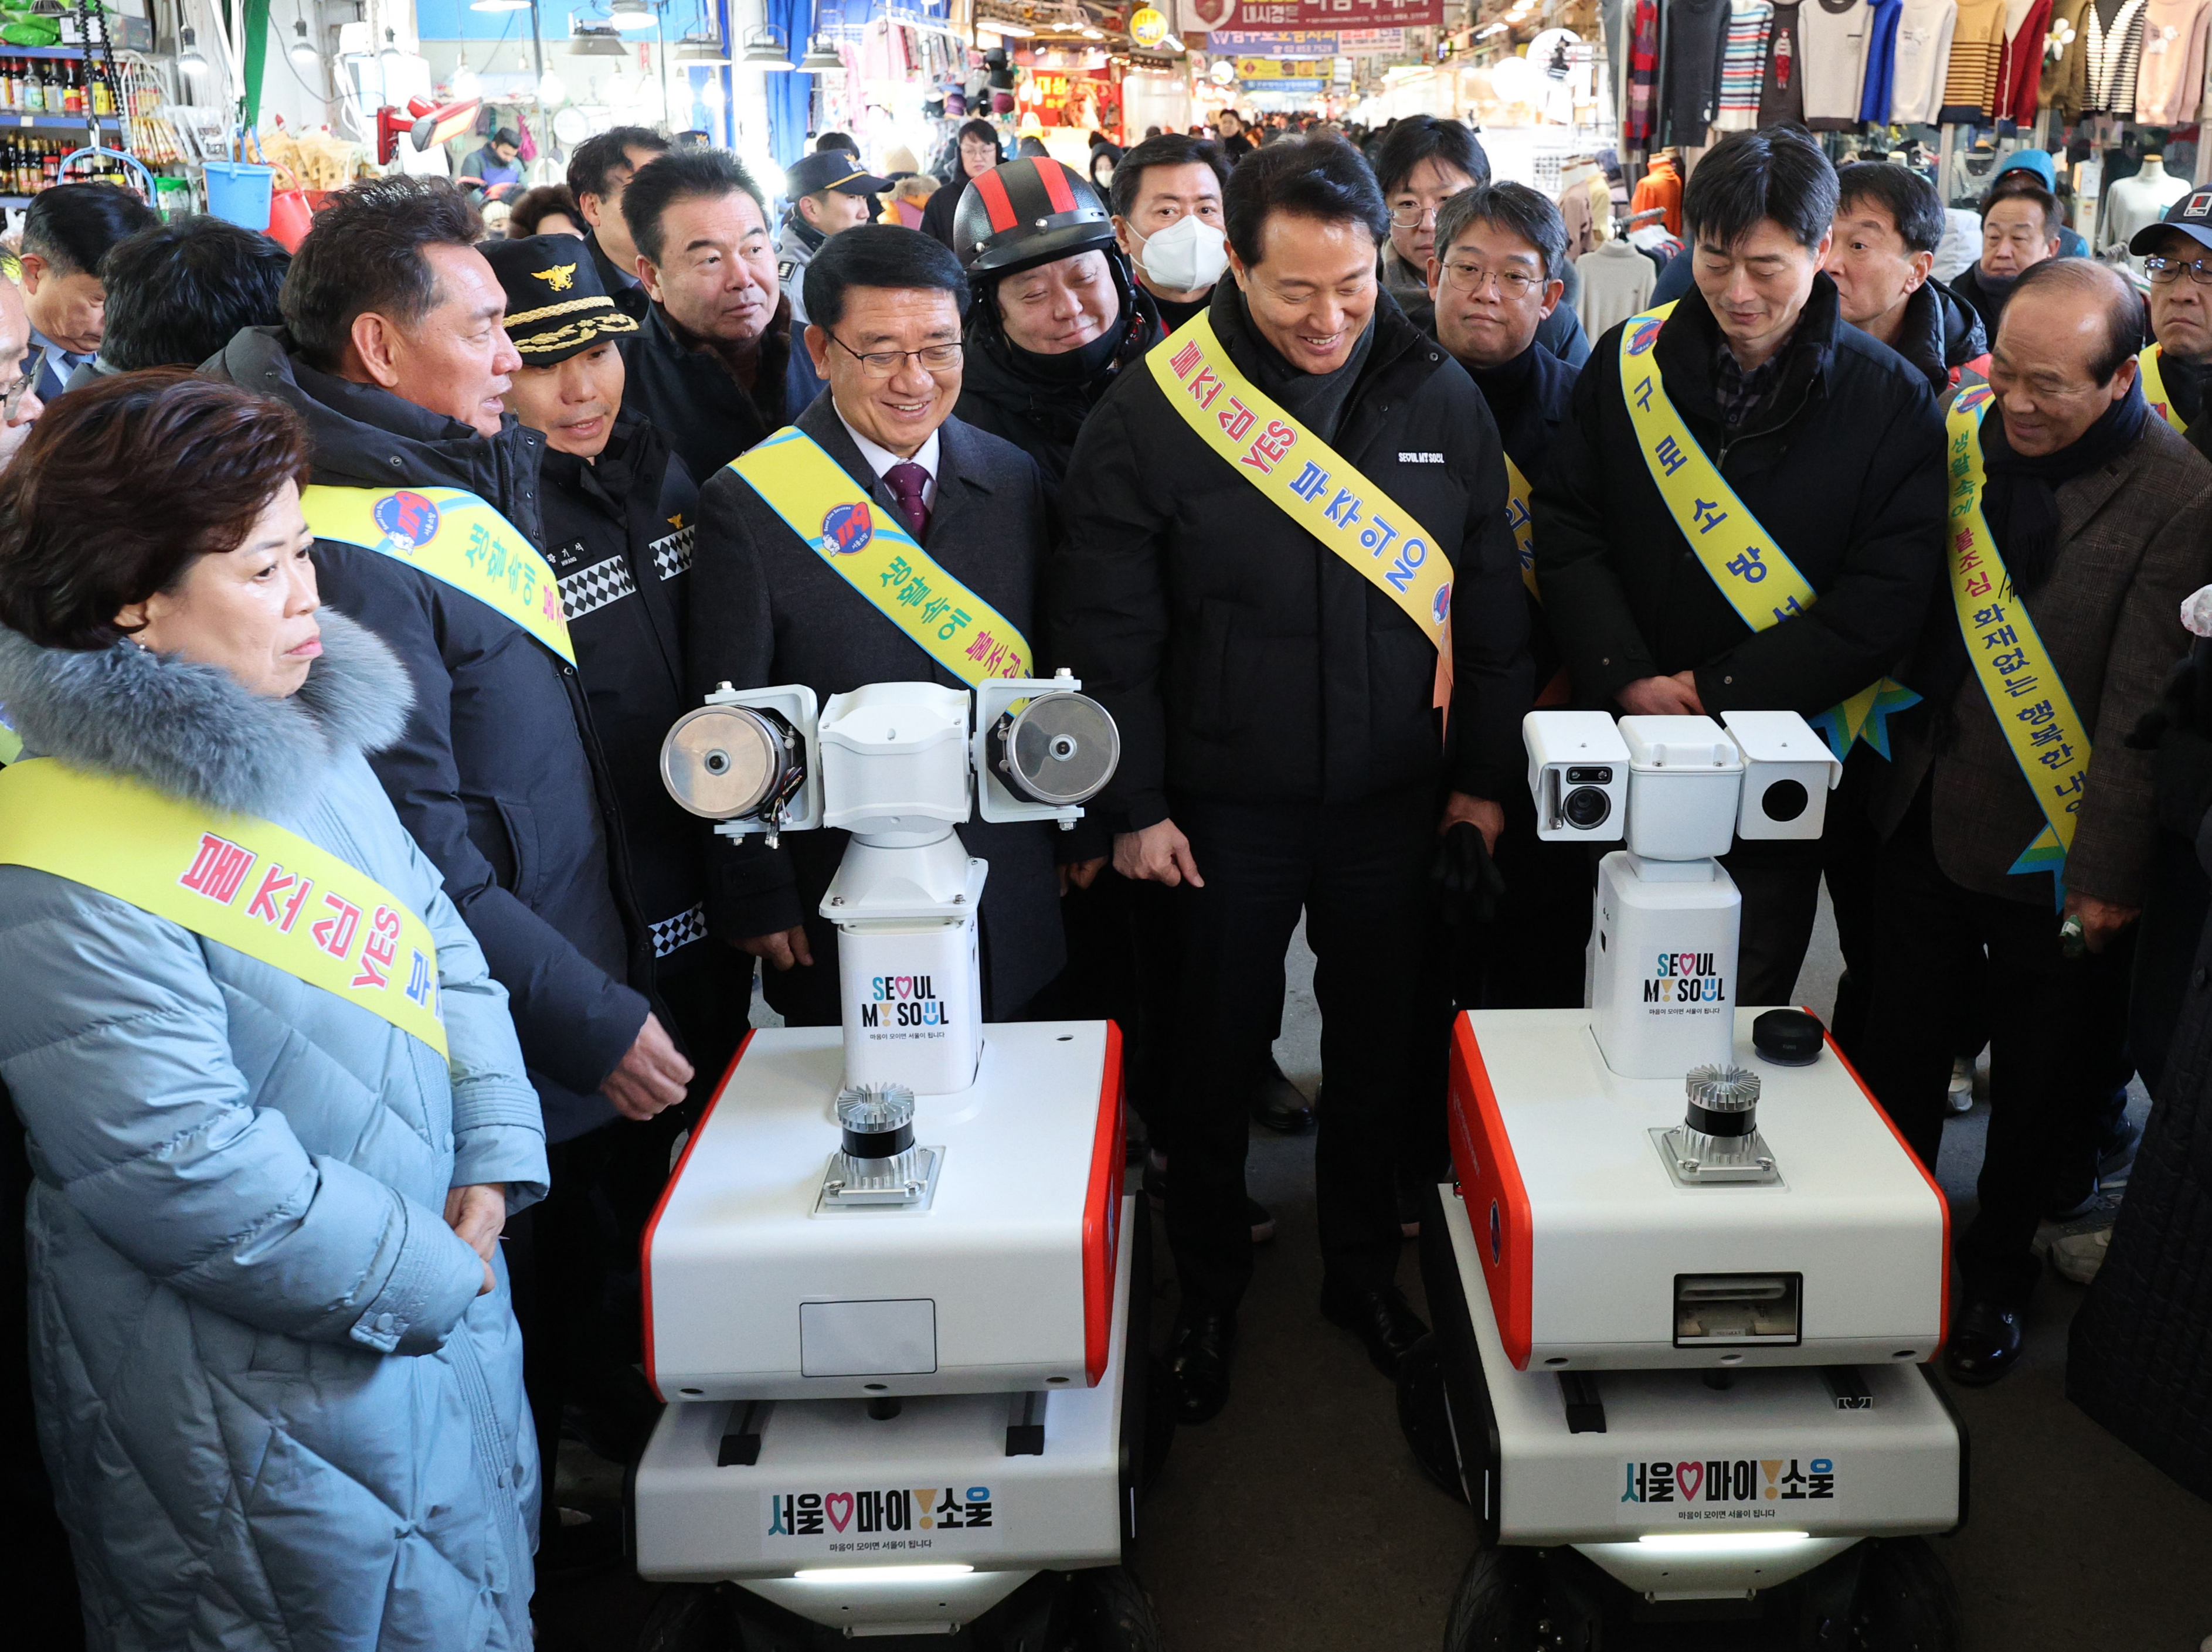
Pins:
<point x="2079" y="522"/>
<point x="768" y="607"/>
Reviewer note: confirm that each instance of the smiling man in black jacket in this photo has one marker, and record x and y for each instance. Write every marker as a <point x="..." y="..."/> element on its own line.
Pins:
<point x="1831" y="445"/>
<point x="1281" y="748"/>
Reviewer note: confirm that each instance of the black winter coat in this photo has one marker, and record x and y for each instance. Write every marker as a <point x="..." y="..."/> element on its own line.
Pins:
<point x="1244" y="659"/>
<point x="1042" y="416"/>
<point x="1530" y="398"/>
<point x="703" y="413"/>
<point x="766" y="608"/>
<point x="498" y="776"/>
<point x="618" y="533"/>
<point x="1941" y="334"/>
<point x="2139" y="1355"/>
<point x="619" y="284"/>
<point x="1846" y="473"/>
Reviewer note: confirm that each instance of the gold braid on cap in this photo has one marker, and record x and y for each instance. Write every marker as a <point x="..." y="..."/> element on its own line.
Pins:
<point x="564" y="308"/>
<point x="580" y="331"/>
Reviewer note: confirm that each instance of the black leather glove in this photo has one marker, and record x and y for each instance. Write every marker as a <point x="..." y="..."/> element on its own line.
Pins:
<point x="1466" y="879"/>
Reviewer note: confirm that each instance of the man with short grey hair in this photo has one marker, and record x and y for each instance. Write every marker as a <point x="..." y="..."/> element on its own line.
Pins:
<point x="2078" y="523"/>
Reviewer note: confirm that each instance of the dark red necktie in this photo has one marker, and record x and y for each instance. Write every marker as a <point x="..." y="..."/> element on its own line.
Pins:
<point x="907" y="481"/>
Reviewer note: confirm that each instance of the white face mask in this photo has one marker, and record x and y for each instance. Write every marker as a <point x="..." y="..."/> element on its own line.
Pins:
<point x="1188" y="255"/>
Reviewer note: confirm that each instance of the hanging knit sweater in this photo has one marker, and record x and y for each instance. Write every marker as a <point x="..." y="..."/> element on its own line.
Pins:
<point x="1641" y="124"/>
<point x="2112" y="53"/>
<point x="1782" y="91"/>
<point x="1923" y="43"/>
<point x="1693" y="38"/>
<point x="1969" y="76"/>
<point x="1832" y="35"/>
<point x="1743" y="64"/>
<point x="2027" y="24"/>
<point x="2171" y="75"/>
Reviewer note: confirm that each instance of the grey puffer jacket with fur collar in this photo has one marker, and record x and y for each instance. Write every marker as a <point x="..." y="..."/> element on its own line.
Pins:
<point x="276" y="1410"/>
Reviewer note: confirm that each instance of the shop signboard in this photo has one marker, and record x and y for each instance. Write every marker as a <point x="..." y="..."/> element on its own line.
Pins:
<point x="1298" y="87"/>
<point x="1372" y="42"/>
<point x="1148" y="27"/>
<point x="1260" y="70"/>
<point x="1288" y="43"/>
<point x="1209" y="16"/>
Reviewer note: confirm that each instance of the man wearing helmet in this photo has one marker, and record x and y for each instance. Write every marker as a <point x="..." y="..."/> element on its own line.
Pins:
<point x="1275" y="683"/>
<point x="1056" y="314"/>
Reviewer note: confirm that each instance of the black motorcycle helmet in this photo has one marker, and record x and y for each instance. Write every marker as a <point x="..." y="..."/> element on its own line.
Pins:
<point x="1026" y="212"/>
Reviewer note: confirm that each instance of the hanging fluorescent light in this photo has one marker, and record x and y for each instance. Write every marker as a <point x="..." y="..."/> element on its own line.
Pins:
<point x="701" y="49"/>
<point x="551" y="89"/>
<point x="631" y="13"/>
<point x="189" y="58"/>
<point x="303" y="49"/>
<point x="596" y="40"/>
<point x="465" y="84"/>
<point x="391" y="53"/>
<point x="820" y="57"/>
<point x="767" y="47"/>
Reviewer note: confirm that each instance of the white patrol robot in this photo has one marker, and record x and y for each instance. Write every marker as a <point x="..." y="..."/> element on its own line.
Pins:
<point x="894" y="1298"/>
<point x="1687" y="1280"/>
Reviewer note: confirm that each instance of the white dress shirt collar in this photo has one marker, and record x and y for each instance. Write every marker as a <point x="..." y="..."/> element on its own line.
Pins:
<point x="881" y="459"/>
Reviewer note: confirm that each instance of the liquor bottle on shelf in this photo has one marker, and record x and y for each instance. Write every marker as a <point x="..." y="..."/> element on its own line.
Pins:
<point x="8" y="94"/>
<point x="41" y="84"/>
<point x="72" y="88"/>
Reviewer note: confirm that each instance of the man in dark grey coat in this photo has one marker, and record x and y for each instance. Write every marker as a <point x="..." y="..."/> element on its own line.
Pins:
<point x="394" y="352"/>
<point x="767" y="607"/>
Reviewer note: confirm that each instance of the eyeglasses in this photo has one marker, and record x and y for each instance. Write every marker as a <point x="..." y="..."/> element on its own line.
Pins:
<point x="11" y="400"/>
<point x="1413" y="217"/>
<point x="1512" y="284"/>
<point x="2164" y="270"/>
<point x="882" y="364"/>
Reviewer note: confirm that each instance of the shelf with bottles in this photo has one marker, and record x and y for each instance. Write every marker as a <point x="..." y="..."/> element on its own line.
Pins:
<point x="56" y="90"/>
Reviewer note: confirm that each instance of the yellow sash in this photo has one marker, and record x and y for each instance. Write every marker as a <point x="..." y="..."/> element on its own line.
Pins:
<point x="819" y="501"/>
<point x="2154" y="385"/>
<point x="1322" y="491"/>
<point x="1737" y="553"/>
<point x="1524" y="524"/>
<point x="453" y="535"/>
<point x="249" y="883"/>
<point x="2048" y="738"/>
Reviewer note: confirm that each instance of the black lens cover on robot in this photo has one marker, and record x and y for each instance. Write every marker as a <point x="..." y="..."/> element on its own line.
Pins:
<point x="1466" y="879"/>
<point x="1789" y="1038"/>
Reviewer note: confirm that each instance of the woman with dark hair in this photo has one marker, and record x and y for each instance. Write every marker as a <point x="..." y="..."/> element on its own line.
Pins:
<point x="548" y="210"/>
<point x="1056" y="312"/>
<point x="977" y="149"/>
<point x="274" y="1102"/>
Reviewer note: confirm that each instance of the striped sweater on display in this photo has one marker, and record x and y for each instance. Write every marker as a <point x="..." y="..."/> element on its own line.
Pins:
<point x="1743" y="64"/>
<point x="2112" y="59"/>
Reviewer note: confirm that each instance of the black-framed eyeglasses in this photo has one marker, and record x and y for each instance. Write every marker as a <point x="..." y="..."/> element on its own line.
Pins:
<point x="11" y="399"/>
<point x="882" y="364"/>
<point x="2163" y="269"/>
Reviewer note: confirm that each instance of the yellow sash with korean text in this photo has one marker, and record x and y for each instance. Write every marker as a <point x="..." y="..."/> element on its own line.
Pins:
<point x="1735" y="549"/>
<point x="1308" y="480"/>
<point x="1524" y="524"/>
<point x="454" y="537"/>
<point x="247" y="883"/>
<point x="832" y="513"/>
<point x="2154" y="384"/>
<point x="2047" y="736"/>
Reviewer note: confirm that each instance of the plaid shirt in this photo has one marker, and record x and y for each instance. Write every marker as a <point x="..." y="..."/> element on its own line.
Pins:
<point x="1741" y="394"/>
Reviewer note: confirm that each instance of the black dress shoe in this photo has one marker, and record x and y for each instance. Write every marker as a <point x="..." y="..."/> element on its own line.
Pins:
<point x="1279" y="1104"/>
<point x="1198" y="1362"/>
<point x="1383" y="1319"/>
<point x="1985" y="1344"/>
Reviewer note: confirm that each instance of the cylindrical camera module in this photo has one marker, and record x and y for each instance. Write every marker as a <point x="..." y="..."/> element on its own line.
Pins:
<point x="1586" y="808"/>
<point x="1059" y="750"/>
<point x="723" y="762"/>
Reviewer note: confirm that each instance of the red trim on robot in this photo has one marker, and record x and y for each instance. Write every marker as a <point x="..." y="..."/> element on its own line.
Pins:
<point x="1490" y="1178"/>
<point x="652" y="1222"/>
<point x="1943" y="1313"/>
<point x="1102" y="1215"/>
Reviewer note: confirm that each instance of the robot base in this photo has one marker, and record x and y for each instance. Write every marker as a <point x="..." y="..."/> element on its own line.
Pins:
<point x="1594" y="1492"/>
<point x="798" y="1524"/>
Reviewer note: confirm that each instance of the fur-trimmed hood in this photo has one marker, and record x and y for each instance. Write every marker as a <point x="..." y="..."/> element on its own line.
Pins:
<point x="191" y="730"/>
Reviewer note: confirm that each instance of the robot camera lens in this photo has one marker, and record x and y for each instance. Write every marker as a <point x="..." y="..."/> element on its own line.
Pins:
<point x="1784" y="800"/>
<point x="715" y="762"/>
<point x="1586" y="808"/>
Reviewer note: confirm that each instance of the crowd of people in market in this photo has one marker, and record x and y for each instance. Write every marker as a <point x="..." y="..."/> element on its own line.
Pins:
<point x="385" y="566"/>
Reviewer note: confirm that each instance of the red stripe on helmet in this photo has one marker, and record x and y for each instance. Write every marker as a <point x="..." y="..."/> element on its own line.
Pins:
<point x="991" y="190"/>
<point x="1054" y="176"/>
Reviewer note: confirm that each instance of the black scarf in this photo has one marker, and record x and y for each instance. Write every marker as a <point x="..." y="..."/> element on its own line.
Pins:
<point x="2021" y="505"/>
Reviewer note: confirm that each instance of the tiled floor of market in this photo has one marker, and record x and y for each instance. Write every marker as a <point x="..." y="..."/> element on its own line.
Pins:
<point x="1296" y="1522"/>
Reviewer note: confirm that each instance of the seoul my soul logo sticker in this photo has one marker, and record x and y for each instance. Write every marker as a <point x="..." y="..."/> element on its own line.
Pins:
<point x="1640" y="340"/>
<point x="1440" y="604"/>
<point x="847" y="528"/>
<point x="407" y="517"/>
<point x="878" y="1520"/>
<point x="1725" y="1490"/>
